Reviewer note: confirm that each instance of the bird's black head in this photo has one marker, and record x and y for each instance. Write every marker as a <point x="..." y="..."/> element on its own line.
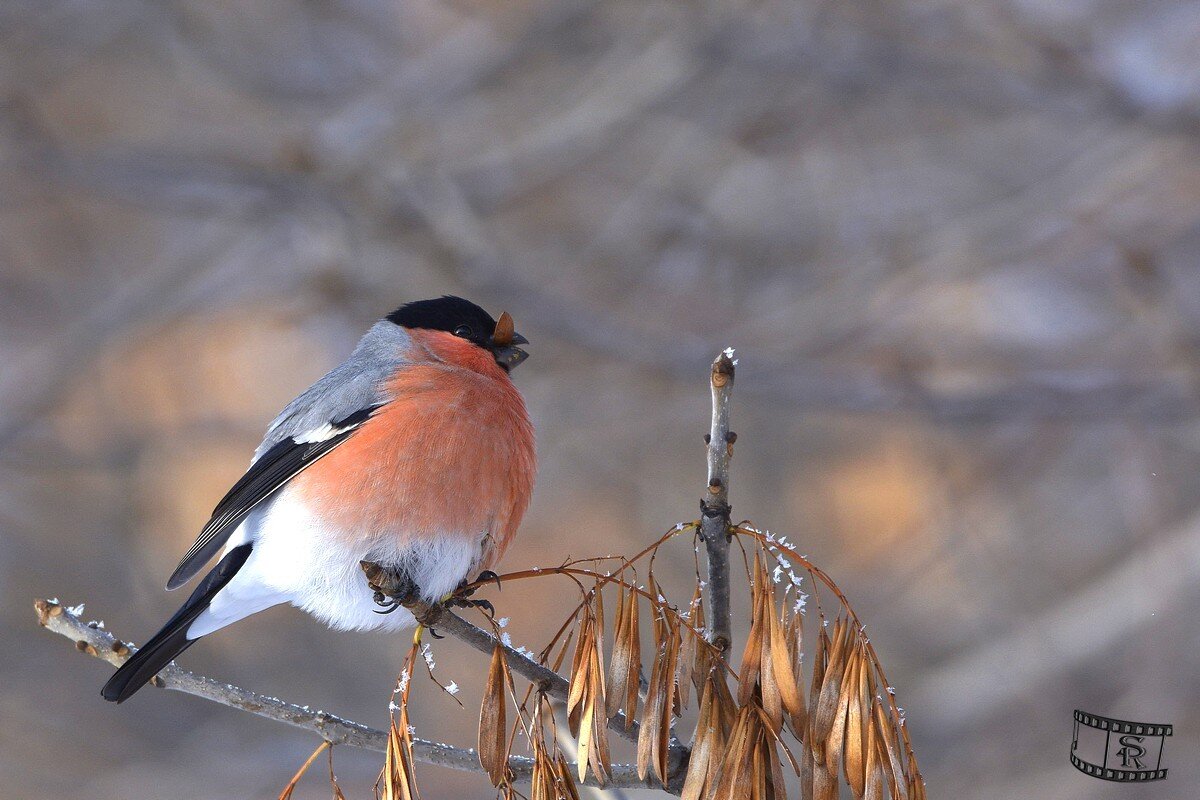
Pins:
<point x="467" y="321"/>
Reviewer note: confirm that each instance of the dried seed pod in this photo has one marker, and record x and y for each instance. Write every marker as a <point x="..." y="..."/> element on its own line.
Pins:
<point x="831" y="687"/>
<point x="835" y="742"/>
<point x="752" y="654"/>
<point x="493" y="725"/>
<point x="704" y="747"/>
<point x="854" y="761"/>
<point x="565" y="783"/>
<point x="797" y="716"/>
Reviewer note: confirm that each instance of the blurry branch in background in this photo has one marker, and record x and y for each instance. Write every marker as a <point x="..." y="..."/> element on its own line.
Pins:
<point x="844" y="719"/>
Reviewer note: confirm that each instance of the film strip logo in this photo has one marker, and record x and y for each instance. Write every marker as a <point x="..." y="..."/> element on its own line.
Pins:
<point x="1116" y="750"/>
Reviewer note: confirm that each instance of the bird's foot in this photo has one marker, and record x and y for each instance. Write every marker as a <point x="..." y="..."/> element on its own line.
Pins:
<point x="462" y="595"/>
<point x="392" y="588"/>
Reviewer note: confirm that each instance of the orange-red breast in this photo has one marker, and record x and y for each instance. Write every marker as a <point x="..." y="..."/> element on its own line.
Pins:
<point x="415" y="453"/>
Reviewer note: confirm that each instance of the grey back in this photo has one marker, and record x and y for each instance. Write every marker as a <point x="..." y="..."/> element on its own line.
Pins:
<point x="356" y="383"/>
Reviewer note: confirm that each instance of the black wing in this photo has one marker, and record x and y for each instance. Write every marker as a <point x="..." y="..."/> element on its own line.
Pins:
<point x="266" y="476"/>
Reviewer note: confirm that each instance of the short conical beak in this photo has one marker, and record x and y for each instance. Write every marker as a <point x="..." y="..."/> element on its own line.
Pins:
<point x="504" y="341"/>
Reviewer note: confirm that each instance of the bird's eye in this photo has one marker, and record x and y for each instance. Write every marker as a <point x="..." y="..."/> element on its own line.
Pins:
<point x="464" y="332"/>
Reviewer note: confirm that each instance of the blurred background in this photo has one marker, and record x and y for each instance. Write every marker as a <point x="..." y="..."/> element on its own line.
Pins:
<point x="954" y="243"/>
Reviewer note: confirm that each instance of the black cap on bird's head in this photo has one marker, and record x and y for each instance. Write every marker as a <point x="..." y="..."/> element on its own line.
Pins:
<point x="467" y="321"/>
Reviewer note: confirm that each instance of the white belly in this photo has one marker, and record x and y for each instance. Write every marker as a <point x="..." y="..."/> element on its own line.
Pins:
<point x="297" y="559"/>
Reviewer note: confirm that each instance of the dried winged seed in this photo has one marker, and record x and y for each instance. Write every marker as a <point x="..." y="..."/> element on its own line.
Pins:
<point x="618" y="671"/>
<point x="854" y="761"/>
<point x="493" y="726"/>
<point x="703" y="742"/>
<point x="585" y="739"/>
<point x="634" y="633"/>
<point x="663" y="721"/>
<point x="702" y="655"/>
<point x="886" y="741"/>
<point x="870" y="743"/>
<point x="835" y="742"/>
<point x="818" y="669"/>
<point x="566" y="784"/>
<point x="771" y="699"/>
<point x="652" y="709"/>
<point x="807" y="760"/>
<point x="782" y="660"/>
<point x="876" y="785"/>
<point x="831" y="687"/>
<point x="778" y="786"/>
<point x="825" y="784"/>
<point x="752" y="654"/>
<point x="598" y="653"/>
<point x="542" y="779"/>
<point x="759" y="771"/>
<point x="601" y="761"/>
<point x="580" y="664"/>
<point x="687" y="657"/>
<point x="733" y="765"/>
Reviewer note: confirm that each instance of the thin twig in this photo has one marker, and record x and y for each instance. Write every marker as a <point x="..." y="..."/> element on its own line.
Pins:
<point x="99" y="643"/>
<point x="714" y="506"/>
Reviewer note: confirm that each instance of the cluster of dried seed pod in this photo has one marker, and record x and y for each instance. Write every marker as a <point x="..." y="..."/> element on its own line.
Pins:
<point x="842" y="730"/>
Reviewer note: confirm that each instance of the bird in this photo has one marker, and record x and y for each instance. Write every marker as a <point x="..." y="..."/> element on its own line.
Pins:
<point x="414" y="456"/>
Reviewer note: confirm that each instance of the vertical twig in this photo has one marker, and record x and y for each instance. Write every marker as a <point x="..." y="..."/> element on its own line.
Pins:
<point x="714" y="506"/>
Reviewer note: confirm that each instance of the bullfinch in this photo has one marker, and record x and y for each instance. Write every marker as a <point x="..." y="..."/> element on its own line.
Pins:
<point x="415" y="454"/>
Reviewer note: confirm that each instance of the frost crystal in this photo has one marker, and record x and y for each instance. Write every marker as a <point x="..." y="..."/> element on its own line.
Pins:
<point x="452" y="688"/>
<point x="505" y="639"/>
<point x="403" y="683"/>
<point x="502" y="622"/>
<point x="75" y="611"/>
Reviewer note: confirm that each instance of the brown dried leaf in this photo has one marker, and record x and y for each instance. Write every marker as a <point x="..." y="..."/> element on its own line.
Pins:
<point x="493" y="725"/>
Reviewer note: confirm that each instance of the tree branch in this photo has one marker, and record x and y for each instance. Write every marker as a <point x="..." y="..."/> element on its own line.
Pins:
<point x="99" y="643"/>
<point x="714" y="506"/>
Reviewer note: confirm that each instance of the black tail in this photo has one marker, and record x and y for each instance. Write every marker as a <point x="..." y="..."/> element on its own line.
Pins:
<point x="172" y="639"/>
